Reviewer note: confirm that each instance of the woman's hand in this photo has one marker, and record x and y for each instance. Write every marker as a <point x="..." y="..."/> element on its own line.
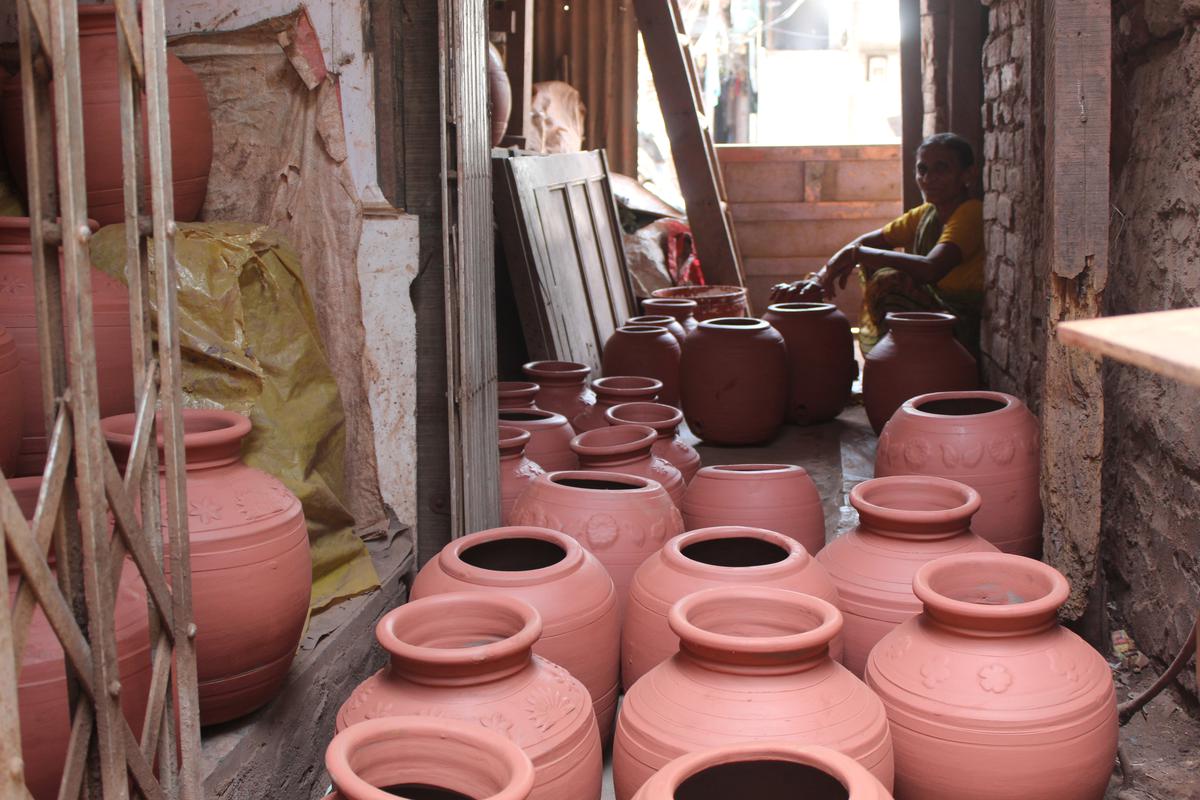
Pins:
<point x="838" y="270"/>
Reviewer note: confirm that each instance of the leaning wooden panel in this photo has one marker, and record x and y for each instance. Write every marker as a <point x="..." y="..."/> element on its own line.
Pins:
<point x="1166" y="342"/>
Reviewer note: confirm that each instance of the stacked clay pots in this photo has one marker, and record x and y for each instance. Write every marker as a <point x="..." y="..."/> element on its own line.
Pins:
<point x="616" y="390"/>
<point x="674" y="326"/>
<point x="517" y="394"/>
<point x="665" y="421"/>
<point x="627" y="449"/>
<point x="11" y="416"/>
<point x="987" y="440"/>
<point x="557" y="576"/>
<point x="778" y="497"/>
<point x="562" y="387"/>
<point x="649" y="351"/>
<point x="516" y="471"/>
<point x="550" y="434"/>
<point x="681" y="309"/>
<point x="820" y="359"/>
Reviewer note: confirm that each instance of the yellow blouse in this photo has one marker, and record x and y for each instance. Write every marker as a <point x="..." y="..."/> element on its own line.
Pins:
<point x="964" y="229"/>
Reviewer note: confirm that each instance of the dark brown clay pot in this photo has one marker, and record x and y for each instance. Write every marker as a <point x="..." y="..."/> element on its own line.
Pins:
<point x="711" y="301"/>
<point x="734" y="381"/>
<point x="516" y="471"/>
<point x="649" y="351"/>
<point x="682" y="309"/>
<point x="918" y="355"/>
<point x="563" y="387"/>
<point x="549" y="445"/>
<point x="517" y="394"/>
<point x="499" y="94"/>
<point x="11" y="414"/>
<point x="662" y="321"/>
<point x="612" y="391"/>
<point x="568" y="586"/>
<point x="627" y="449"/>
<point x="665" y="421"/>
<point x="820" y="359"/>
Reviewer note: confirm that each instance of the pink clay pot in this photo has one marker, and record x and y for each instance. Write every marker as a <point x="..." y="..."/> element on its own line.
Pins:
<point x="426" y="757"/>
<point x="11" y="414"/>
<point x="665" y="420"/>
<point x="516" y="471"/>
<point x="517" y="394"/>
<point x="627" y="449"/>
<point x="564" y="582"/>
<point x="711" y="301"/>
<point x="987" y="695"/>
<point x="703" y="559"/>
<point x="550" y="434"/>
<point x="821" y="363"/>
<point x="680" y="308"/>
<point x="764" y="771"/>
<point x="904" y="523"/>
<point x="614" y="391"/>
<point x="753" y="665"/>
<point x="662" y="321"/>
<point x="778" y="497"/>
<point x="987" y="440"/>
<point x="649" y="351"/>
<point x="469" y="656"/>
<point x="562" y="387"/>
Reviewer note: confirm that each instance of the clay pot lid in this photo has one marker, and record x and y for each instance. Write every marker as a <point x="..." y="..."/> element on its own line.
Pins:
<point x="615" y="440"/>
<point x="739" y="324"/>
<point x="599" y="482"/>
<point x="950" y="405"/>
<point x="915" y="504"/>
<point x="994" y="593"/>
<point x="480" y="557"/>
<point x="711" y="292"/>
<point x="211" y="437"/>
<point x="513" y="440"/>
<point x="517" y="389"/>
<point x="618" y="386"/>
<point x="663" y="418"/>
<point x="769" y="553"/>
<point x="354" y="762"/>
<point x="530" y="418"/>
<point x="557" y="371"/>
<point x="752" y="472"/>
<point x="920" y="320"/>
<point x="802" y="308"/>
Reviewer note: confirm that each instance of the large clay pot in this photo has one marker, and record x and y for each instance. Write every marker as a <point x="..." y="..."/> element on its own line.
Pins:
<point x="516" y="471"/>
<point x="703" y="559"/>
<point x="466" y="655"/>
<point x="627" y="449"/>
<point x="249" y="561"/>
<point x="918" y="355"/>
<point x="426" y="758"/>
<point x="42" y="683"/>
<point x="563" y="387"/>
<point x="903" y="523"/>
<point x="987" y="440"/>
<point x="987" y="695"/>
<point x="11" y="416"/>
<point x="499" y="94"/>
<point x="821" y="361"/>
<point x="662" y="321"/>
<point x="665" y="421"/>
<point x="778" y="497"/>
<point x="517" y="394"/>
<point x="734" y="381"/>
<point x="613" y="391"/>
<point x="753" y="665"/>
<point x="681" y="308"/>
<point x="549" y="443"/>
<point x="567" y="585"/>
<point x="646" y="350"/>
<point x="110" y="335"/>
<point x="191" y="126"/>
<point x="764" y="771"/>
<point x="711" y="301"/>
<point x="622" y="519"/>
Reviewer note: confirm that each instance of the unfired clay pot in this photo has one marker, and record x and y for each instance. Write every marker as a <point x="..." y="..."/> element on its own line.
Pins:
<point x="249" y="560"/>
<point x="627" y="449"/>
<point x="987" y="440"/>
<point x="764" y="771"/>
<point x="562" y="387"/>
<point x="753" y="665"/>
<point x="918" y="355"/>
<point x="663" y="321"/>
<point x="516" y="471"/>
<point x="11" y="416"/>
<point x="681" y="308"/>
<point x="469" y="656"/>
<point x="614" y="391"/>
<point x="988" y="696"/>
<point x="191" y="126"/>
<point x="563" y="581"/>
<point x="646" y="350"/>
<point x="702" y="559"/>
<point x="665" y="421"/>
<point x="711" y="301"/>
<point x="622" y="519"/>
<point x="734" y="381"/>
<point x="110" y="335"/>
<point x="903" y="524"/>
<point x="778" y="497"/>
<point x="517" y="394"/>
<point x="821" y="361"/>
<point x="549" y="443"/>
<point x="426" y="758"/>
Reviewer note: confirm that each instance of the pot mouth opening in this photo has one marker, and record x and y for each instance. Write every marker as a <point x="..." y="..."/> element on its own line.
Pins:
<point x="644" y="330"/>
<point x="613" y="440"/>
<point x="712" y="291"/>
<point x="991" y="585"/>
<point x="669" y="302"/>
<point x="451" y="629"/>
<point x="734" y="552"/>
<point x="801" y="307"/>
<point x="762" y="779"/>
<point x="655" y="415"/>
<point x="920" y="319"/>
<point x="556" y="369"/>
<point x="424" y="791"/>
<point x="740" y="468"/>
<point x="620" y="384"/>
<point x="962" y="406"/>
<point x="524" y="415"/>
<point x="736" y="323"/>
<point x="512" y="437"/>
<point x="517" y="387"/>
<point x="613" y="483"/>
<point x="913" y="495"/>
<point x="754" y="620"/>
<point x="202" y="428"/>
<point x="515" y="554"/>
<point x="659" y="320"/>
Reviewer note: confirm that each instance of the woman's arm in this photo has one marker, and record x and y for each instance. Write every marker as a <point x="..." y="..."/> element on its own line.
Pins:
<point x="927" y="269"/>
<point x="839" y="267"/>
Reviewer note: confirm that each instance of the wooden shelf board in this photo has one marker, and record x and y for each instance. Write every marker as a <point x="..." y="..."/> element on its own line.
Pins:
<point x="1166" y="342"/>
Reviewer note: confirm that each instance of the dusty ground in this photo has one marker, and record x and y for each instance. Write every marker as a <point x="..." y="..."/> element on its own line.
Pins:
<point x="1161" y="745"/>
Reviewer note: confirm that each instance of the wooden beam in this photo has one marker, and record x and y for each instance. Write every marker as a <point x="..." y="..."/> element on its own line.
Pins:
<point x="1166" y="342"/>
<point x="911" y="101"/>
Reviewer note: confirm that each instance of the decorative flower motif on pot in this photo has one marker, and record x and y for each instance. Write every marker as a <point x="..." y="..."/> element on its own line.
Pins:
<point x="601" y="531"/>
<point x="256" y="504"/>
<point x="935" y="672"/>
<point x="995" y="678"/>
<point x="1002" y="450"/>
<point x="10" y="284"/>
<point x="498" y="723"/>
<point x="206" y="509"/>
<point x="898" y="650"/>
<point x="971" y="455"/>
<point x="548" y="706"/>
<point x="916" y="453"/>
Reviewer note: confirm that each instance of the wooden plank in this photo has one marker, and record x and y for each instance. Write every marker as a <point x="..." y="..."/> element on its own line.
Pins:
<point x="800" y="238"/>
<point x="749" y="153"/>
<point x="797" y="212"/>
<point x="912" y="103"/>
<point x="1166" y="342"/>
<point x="833" y="180"/>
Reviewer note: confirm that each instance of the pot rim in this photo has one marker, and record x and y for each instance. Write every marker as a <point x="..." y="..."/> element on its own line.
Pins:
<point x="208" y="446"/>
<point x="710" y="292"/>
<point x="626" y="386"/>
<point x="644" y="330"/>
<point x="730" y="599"/>
<point x="913" y="405"/>
<point x="802" y="307"/>
<point x="513" y="439"/>
<point x="920" y="320"/>
<point x="953" y="519"/>
<point x="669" y="302"/>
<point x="632" y="483"/>
<point x="795" y="553"/>
<point x="742" y="472"/>
<point x="740" y="324"/>
<point x="522" y="618"/>
<point x="556" y="371"/>
<point x="666" y="426"/>
<point x="538" y="418"/>
<point x="614" y="440"/>
<point x="452" y="562"/>
<point x="516" y="388"/>
<point x="992" y="568"/>
<point x="659" y="320"/>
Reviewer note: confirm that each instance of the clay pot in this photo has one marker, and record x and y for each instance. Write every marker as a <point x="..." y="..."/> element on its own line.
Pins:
<point x="621" y="519"/>
<point x="18" y="312"/>
<point x="918" y="355"/>
<point x="665" y="421"/>
<point x="549" y="444"/>
<point x="662" y="321"/>
<point x="734" y="381"/>
<point x="42" y="683"/>
<point x="499" y="94"/>
<point x="249" y="562"/>
<point x="564" y="582"/>
<point x="191" y="126"/>
<point x="516" y="471"/>
<point x="987" y="695"/>
<point x="649" y="351"/>
<point x="517" y="394"/>
<point x="753" y="665"/>
<point x="563" y="387"/>
<point x="627" y="449"/>
<point x="613" y="391"/>
<point x="11" y="414"/>
<point x="778" y="497"/>
<point x="682" y="309"/>
<point x="764" y="771"/>
<point x="469" y="656"/>
<point x="711" y="301"/>
<point x="426" y="758"/>
<point x="987" y="440"/>
<point x="903" y="524"/>
<point x="821" y="361"/>
<point x="703" y="559"/>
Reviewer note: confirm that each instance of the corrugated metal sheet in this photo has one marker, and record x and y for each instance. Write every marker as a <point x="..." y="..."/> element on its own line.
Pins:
<point x="592" y="45"/>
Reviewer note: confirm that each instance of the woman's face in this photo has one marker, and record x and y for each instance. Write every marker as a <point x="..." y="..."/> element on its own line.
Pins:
<point x="940" y="175"/>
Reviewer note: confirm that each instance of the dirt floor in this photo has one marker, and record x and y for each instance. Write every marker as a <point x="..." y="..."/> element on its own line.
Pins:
<point x="1161" y="745"/>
